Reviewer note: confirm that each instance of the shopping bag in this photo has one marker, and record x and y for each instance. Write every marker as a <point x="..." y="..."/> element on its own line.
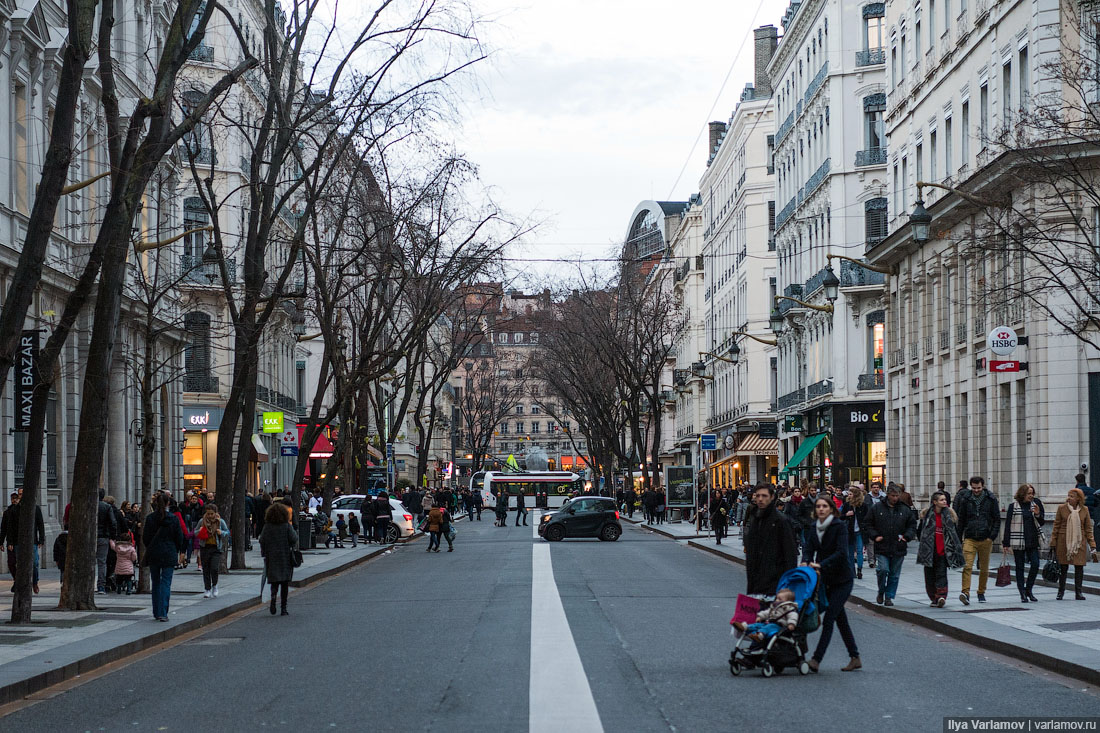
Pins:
<point x="1004" y="574"/>
<point x="746" y="609"/>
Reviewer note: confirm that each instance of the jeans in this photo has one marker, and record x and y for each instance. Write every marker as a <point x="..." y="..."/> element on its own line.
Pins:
<point x="855" y="546"/>
<point x="523" y="511"/>
<point x="1028" y="556"/>
<point x="102" y="547"/>
<point x="981" y="550"/>
<point x="15" y="553"/>
<point x="211" y="559"/>
<point x="381" y="525"/>
<point x="433" y="540"/>
<point x="835" y="614"/>
<point x="161" y="578"/>
<point x="888" y="570"/>
<point x="935" y="578"/>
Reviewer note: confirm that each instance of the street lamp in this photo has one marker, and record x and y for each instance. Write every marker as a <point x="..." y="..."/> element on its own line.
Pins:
<point x="210" y="260"/>
<point x="775" y="321"/>
<point x="831" y="284"/>
<point x="734" y="353"/>
<point x="921" y="221"/>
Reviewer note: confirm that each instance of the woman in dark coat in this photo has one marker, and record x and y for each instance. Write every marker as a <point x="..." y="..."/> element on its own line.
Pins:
<point x="769" y="543"/>
<point x="717" y="511"/>
<point x="938" y="547"/>
<point x="164" y="541"/>
<point x="277" y="541"/>
<point x="826" y="550"/>
<point x="1023" y="518"/>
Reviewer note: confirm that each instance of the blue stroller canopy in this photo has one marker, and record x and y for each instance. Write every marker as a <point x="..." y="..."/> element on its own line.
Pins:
<point x="802" y="581"/>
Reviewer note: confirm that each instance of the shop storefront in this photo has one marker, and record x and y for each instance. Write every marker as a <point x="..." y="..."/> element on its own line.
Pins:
<point x="843" y="442"/>
<point x="200" y="446"/>
<point x="759" y="455"/>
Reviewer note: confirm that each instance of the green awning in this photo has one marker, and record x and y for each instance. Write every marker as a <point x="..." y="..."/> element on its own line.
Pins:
<point x="803" y="450"/>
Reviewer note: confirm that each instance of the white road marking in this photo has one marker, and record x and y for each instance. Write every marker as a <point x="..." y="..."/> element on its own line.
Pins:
<point x="560" y="696"/>
<point x="536" y="517"/>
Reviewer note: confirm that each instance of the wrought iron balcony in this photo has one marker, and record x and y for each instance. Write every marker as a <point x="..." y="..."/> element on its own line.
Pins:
<point x="786" y="212"/>
<point x="791" y="291"/>
<point x="870" y="57"/>
<point x="875" y="380"/>
<point x="193" y="270"/>
<point x="816" y="82"/>
<point x="871" y="156"/>
<point x="819" y="389"/>
<point x="792" y="399"/>
<point x="784" y="129"/>
<point x="853" y="275"/>
<point x="199" y="383"/>
<point x="818" y="177"/>
<point x="202" y="53"/>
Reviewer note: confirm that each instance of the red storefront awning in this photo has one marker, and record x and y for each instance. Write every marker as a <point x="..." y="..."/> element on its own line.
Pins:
<point x="322" y="447"/>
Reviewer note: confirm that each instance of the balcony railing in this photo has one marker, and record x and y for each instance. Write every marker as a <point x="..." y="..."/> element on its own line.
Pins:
<point x="791" y="399"/>
<point x="818" y="177"/>
<point x="871" y="156"/>
<point x="945" y="339"/>
<point x="199" y="383"/>
<point x="816" y="82"/>
<point x="785" y="213"/>
<point x="791" y="291"/>
<point x="814" y="283"/>
<point x="819" y="389"/>
<point x="870" y="57"/>
<point x="876" y="380"/>
<point x="854" y="276"/>
<point x="202" y="53"/>
<point x="193" y="270"/>
<point x="960" y="333"/>
<point x="784" y="129"/>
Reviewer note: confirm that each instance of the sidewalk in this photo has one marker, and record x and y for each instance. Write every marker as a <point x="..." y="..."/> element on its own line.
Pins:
<point x="59" y="645"/>
<point x="1061" y="636"/>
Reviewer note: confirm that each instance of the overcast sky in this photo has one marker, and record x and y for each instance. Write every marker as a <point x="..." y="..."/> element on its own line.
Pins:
<point x="591" y="107"/>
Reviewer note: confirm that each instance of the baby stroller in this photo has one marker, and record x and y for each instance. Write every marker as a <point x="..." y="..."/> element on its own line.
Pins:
<point x="786" y="648"/>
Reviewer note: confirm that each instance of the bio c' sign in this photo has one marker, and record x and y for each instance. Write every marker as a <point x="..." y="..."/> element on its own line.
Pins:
<point x="1002" y="341"/>
<point x="273" y="422"/>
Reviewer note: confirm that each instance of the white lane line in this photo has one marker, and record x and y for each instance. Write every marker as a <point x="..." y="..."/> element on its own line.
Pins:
<point x="560" y="697"/>
<point x="535" y="517"/>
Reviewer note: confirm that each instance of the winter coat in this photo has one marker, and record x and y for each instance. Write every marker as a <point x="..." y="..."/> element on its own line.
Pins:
<point x="1058" y="536"/>
<point x="106" y="524"/>
<point x="163" y="540"/>
<point x="435" y="520"/>
<point x="889" y="522"/>
<point x="220" y="540"/>
<point x="1092" y="501"/>
<point x="1030" y="524"/>
<point x="926" y="535"/>
<point x="381" y="509"/>
<point x="426" y="502"/>
<point x="830" y="552"/>
<point x="9" y="526"/>
<point x="125" y="557"/>
<point x="276" y="543"/>
<point x="979" y="518"/>
<point x="717" y="512"/>
<point x="769" y="549"/>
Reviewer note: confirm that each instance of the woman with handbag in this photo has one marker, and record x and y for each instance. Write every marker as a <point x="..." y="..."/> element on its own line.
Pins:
<point x="164" y="541"/>
<point x="278" y="546"/>
<point x="1024" y="519"/>
<point x="212" y="535"/>
<point x="1071" y="539"/>
<point x="938" y="547"/>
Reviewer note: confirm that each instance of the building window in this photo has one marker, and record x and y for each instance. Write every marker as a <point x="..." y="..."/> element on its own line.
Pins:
<point x="535" y="410"/>
<point x="534" y="337"/>
<point x="20" y="125"/>
<point x="1006" y="93"/>
<point x="983" y="112"/>
<point x="1025" y="78"/>
<point x="771" y="226"/>
<point x="504" y="428"/>
<point x="503" y="338"/>
<point x="517" y="338"/>
<point x="195" y="216"/>
<point x="197" y="356"/>
<point x="948" y="142"/>
<point x="931" y="24"/>
<point x="535" y="427"/>
<point x="519" y="409"/>
<point x="920" y="162"/>
<point x="932" y="152"/>
<point x="519" y="428"/>
<point x="874" y="216"/>
<point x="965" y="132"/>
<point x="194" y="138"/>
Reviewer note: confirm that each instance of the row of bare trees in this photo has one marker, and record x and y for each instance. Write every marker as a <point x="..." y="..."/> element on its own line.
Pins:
<point x="352" y="224"/>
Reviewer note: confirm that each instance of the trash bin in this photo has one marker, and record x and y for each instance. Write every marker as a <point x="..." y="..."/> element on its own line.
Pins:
<point x="305" y="534"/>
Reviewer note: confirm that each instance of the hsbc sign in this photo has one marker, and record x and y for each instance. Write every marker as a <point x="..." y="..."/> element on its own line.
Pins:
<point x="1002" y="341"/>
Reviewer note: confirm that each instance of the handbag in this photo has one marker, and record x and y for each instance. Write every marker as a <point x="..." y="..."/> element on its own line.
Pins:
<point x="451" y="533"/>
<point x="1004" y="574"/>
<point x="1052" y="571"/>
<point x="295" y="555"/>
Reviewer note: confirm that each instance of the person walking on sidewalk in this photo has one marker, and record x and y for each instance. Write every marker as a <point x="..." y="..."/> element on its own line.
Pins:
<point x="1023" y="519"/>
<point x="979" y="522"/>
<point x="717" y="511"/>
<point x="769" y="543"/>
<point x="438" y="525"/>
<point x="383" y="515"/>
<point x="631" y="498"/>
<point x="277" y="543"/>
<point x="854" y="511"/>
<point x="478" y="503"/>
<point x="893" y="525"/>
<point x="521" y="508"/>
<point x="1071" y="538"/>
<point x="212" y="533"/>
<point x="938" y="547"/>
<point x="9" y="538"/>
<point x="1092" y="501"/>
<point x="826" y="550"/>
<point x="164" y="540"/>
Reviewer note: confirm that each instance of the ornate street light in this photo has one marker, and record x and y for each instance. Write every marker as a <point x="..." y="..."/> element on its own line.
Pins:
<point x="776" y="321"/>
<point x="831" y="284"/>
<point x="921" y="221"/>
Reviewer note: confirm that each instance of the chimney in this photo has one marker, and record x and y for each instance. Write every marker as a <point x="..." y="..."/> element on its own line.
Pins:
<point x="766" y="38"/>
<point x="717" y="129"/>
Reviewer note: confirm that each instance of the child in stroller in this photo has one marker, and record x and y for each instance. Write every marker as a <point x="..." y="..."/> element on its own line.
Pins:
<point x="777" y="646"/>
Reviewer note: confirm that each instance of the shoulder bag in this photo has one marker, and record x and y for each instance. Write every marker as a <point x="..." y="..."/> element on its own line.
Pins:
<point x="1052" y="571"/>
<point x="1004" y="573"/>
<point x="295" y="555"/>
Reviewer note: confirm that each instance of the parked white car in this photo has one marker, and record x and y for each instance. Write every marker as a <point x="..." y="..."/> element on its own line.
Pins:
<point x="348" y="505"/>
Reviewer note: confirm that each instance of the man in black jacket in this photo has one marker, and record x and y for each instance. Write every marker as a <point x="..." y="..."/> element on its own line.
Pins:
<point x="769" y="543"/>
<point x="979" y="522"/>
<point x="9" y="536"/>
<point x="893" y="525"/>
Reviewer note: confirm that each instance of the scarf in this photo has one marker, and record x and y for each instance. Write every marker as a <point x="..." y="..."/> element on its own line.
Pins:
<point x="1016" y="527"/>
<point x="822" y="526"/>
<point x="941" y="546"/>
<point x="1074" y="537"/>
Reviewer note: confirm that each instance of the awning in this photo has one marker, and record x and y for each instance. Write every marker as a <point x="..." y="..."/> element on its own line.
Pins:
<point x="374" y="451"/>
<point x="259" y="452"/>
<point x="322" y="447"/>
<point x="803" y="450"/>
<point x="753" y="445"/>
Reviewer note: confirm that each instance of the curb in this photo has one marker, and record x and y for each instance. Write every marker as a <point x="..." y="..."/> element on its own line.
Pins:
<point x="15" y="691"/>
<point x="1030" y="656"/>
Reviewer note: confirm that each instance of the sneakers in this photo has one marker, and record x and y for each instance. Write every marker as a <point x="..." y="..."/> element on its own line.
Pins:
<point x="888" y="602"/>
<point x="215" y="591"/>
<point x="941" y="602"/>
<point x="207" y="594"/>
<point x="965" y="598"/>
<point x="981" y="598"/>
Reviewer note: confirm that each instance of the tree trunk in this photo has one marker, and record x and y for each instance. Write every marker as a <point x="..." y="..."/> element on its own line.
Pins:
<point x="148" y="445"/>
<point x="32" y="478"/>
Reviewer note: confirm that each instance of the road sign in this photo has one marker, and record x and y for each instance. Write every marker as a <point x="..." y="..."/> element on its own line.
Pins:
<point x="389" y="451"/>
<point x="288" y="450"/>
<point x="1004" y="366"/>
<point x="1002" y="340"/>
<point x="708" y="441"/>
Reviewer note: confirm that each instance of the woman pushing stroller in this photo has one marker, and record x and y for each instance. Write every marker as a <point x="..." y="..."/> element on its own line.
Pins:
<point x="826" y="550"/>
<point x="771" y="620"/>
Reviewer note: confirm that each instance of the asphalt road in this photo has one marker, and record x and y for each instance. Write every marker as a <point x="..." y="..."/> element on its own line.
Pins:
<point x="442" y="642"/>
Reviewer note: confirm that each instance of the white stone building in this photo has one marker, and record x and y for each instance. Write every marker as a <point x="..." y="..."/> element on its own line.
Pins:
<point x="685" y="393"/>
<point x="959" y="73"/>
<point x="831" y="183"/>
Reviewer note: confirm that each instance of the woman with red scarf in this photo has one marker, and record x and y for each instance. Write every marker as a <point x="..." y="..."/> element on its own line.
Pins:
<point x="939" y="548"/>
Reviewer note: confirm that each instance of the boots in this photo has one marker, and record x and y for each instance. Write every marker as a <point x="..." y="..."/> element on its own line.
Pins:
<point x="853" y="664"/>
<point x="273" y="603"/>
<point x="284" y="611"/>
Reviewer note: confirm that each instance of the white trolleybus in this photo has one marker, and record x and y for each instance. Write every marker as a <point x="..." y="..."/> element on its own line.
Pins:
<point x="557" y="485"/>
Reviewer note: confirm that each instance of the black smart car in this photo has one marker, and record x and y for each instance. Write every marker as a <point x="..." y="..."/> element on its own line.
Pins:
<point x="585" y="516"/>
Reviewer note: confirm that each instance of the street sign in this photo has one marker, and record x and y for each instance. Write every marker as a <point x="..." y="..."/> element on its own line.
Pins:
<point x="680" y="486"/>
<point x="389" y="451"/>
<point x="708" y="441"/>
<point x="1004" y="366"/>
<point x="273" y="422"/>
<point x="288" y="450"/>
<point x="1002" y="340"/>
<point x="289" y="445"/>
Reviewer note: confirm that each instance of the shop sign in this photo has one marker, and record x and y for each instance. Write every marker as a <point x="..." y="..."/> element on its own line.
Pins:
<point x="202" y="418"/>
<point x="273" y="422"/>
<point x="289" y="446"/>
<point x="26" y="364"/>
<point x="768" y="430"/>
<point x="728" y="442"/>
<point x="864" y="417"/>
<point x="680" y="486"/>
<point x="792" y="424"/>
<point x="1004" y="366"/>
<point x="1002" y="340"/>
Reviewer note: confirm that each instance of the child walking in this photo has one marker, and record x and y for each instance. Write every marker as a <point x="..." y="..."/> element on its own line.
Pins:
<point x="125" y="557"/>
<point x="354" y="528"/>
